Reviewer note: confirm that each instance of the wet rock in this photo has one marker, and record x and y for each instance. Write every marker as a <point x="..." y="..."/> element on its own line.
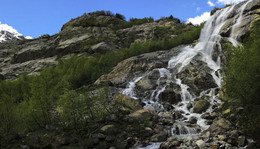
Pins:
<point x="193" y="120"/>
<point x="208" y="122"/>
<point x="201" y="106"/>
<point x="168" y="106"/>
<point x="149" y="82"/>
<point x="197" y="75"/>
<point x="170" y="144"/>
<point x="134" y="67"/>
<point x="109" y="129"/>
<point x="162" y="136"/>
<point x="189" y="106"/>
<point x="170" y="96"/>
<point x="207" y="116"/>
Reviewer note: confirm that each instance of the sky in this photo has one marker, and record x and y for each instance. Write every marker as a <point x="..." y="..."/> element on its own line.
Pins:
<point x="37" y="17"/>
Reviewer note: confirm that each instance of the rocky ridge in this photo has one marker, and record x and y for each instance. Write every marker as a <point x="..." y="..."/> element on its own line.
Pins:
<point x="78" y="37"/>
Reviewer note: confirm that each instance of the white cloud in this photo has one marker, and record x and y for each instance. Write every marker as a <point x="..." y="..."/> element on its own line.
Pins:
<point x="210" y="4"/>
<point x="199" y="19"/>
<point x="225" y="2"/>
<point x="198" y="8"/>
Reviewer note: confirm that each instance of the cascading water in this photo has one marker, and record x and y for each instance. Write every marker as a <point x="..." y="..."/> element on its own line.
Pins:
<point x="208" y="51"/>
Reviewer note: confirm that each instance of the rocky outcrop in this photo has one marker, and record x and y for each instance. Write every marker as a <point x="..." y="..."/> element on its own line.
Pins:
<point x="133" y="67"/>
<point x="85" y="35"/>
<point x="197" y="75"/>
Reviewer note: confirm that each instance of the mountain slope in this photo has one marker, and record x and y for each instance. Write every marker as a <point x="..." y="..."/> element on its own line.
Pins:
<point x="89" y="34"/>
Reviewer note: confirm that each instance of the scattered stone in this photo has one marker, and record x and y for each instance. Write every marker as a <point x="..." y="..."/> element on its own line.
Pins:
<point x="189" y="106"/>
<point x="98" y="136"/>
<point x="192" y="120"/>
<point x="222" y="137"/>
<point x="220" y="125"/>
<point x="241" y="141"/>
<point x="149" y="130"/>
<point x="141" y="114"/>
<point x="200" y="143"/>
<point x="109" y="129"/>
<point x="110" y="138"/>
<point x="226" y="112"/>
<point x="162" y="136"/>
<point x="208" y="122"/>
<point x="206" y="116"/>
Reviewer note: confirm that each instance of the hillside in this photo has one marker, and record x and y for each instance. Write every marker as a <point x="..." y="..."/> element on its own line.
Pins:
<point x="103" y="82"/>
<point x="77" y="38"/>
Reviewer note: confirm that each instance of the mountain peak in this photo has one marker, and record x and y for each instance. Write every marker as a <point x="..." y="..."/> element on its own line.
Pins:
<point x="9" y="33"/>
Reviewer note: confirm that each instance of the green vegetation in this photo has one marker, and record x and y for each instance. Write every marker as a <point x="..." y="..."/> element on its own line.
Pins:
<point x="118" y="21"/>
<point x="242" y="82"/>
<point x="52" y="100"/>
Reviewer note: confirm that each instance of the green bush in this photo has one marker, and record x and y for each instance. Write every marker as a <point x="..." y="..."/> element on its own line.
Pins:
<point x="77" y="111"/>
<point x="242" y="82"/>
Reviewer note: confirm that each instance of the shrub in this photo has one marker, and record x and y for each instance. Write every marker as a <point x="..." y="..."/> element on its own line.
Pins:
<point x="242" y="82"/>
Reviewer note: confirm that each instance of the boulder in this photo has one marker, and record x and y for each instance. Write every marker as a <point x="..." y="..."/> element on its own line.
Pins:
<point x="200" y="143"/>
<point x="170" y="97"/>
<point x="141" y="114"/>
<point x="128" y="102"/>
<point x="162" y="136"/>
<point x="193" y="120"/>
<point x="101" y="47"/>
<point x="145" y="84"/>
<point x="98" y="136"/>
<point x="201" y="106"/>
<point x="220" y="125"/>
<point x="207" y="116"/>
<point x="109" y="130"/>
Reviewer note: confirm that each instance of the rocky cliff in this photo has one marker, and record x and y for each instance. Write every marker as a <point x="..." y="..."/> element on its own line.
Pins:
<point x="86" y="35"/>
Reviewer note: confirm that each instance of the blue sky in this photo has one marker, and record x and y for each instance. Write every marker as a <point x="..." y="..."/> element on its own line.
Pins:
<point x="38" y="17"/>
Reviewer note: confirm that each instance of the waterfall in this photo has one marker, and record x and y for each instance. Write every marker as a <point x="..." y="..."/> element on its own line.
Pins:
<point x="207" y="50"/>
